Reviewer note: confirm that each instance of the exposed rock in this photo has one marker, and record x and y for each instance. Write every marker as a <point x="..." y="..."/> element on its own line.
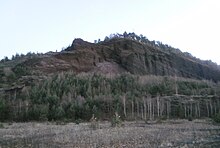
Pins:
<point x="122" y="55"/>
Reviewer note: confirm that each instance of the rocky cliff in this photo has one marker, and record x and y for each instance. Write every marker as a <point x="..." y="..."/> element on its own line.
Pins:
<point x="122" y="55"/>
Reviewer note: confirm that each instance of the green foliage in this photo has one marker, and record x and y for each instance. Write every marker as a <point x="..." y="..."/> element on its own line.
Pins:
<point x="56" y="113"/>
<point x="116" y="121"/>
<point x="70" y="111"/>
<point x="216" y="118"/>
<point x="179" y="112"/>
<point x="20" y="70"/>
<point x="190" y="118"/>
<point x="78" y="121"/>
<point x="38" y="112"/>
<point x="73" y="97"/>
<point x="94" y="123"/>
<point x="11" y="78"/>
<point x="1" y="125"/>
<point x="4" y="110"/>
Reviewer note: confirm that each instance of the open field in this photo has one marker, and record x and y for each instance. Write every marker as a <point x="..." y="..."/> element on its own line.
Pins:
<point x="170" y="133"/>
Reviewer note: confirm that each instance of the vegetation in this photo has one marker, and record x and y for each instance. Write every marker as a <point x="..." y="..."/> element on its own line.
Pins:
<point x="66" y="96"/>
<point x="116" y="121"/>
<point x="216" y="118"/>
<point x="1" y="125"/>
<point x="77" y="97"/>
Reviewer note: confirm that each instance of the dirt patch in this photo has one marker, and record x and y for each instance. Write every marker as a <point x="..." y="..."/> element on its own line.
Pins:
<point x="108" y="68"/>
<point x="172" y="133"/>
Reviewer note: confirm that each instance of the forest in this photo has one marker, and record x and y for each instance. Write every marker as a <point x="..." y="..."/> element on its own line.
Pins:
<point x="70" y="97"/>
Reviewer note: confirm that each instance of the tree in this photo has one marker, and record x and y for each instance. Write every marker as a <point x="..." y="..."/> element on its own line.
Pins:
<point x="132" y="35"/>
<point x="138" y="38"/>
<point x="3" y="110"/>
<point x="6" y="59"/>
<point x="125" y="35"/>
<point x="124" y="104"/>
<point x="143" y="39"/>
<point x="106" y="38"/>
<point x="13" y="57"/>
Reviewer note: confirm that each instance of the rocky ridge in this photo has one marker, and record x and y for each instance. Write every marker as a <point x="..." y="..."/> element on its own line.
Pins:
<point x="122" y="55"/>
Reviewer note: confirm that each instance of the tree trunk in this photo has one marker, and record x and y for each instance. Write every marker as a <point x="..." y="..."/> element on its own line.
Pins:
<point x="145" y="109"/>
<point x="207" y="107"/>
<point x="162" y="107"/>
<point x="150" y="109"/>
<point x="196" y="110"/>
<point x="132" y="108"/>
<point x="176" y="87"/>
<point x="215" y="110"/>
<point x="153" y="108"/>
<point x="138" y="112"/>
<point x="191" y="109"/>
<point x="142" y="112"/>
<point x="168" y="112"/>
<point x="124" y="104"/>
<point x="199" y="109"/>
<point x="158" y="106"/>
<point x="218" y="105"/>
<point x="211" y="108"/>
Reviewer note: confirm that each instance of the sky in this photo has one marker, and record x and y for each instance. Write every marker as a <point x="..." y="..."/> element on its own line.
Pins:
<point x="48" y="25"/>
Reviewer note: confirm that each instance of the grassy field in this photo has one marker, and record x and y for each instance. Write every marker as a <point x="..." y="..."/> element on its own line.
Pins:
<point x="169" y="133"/>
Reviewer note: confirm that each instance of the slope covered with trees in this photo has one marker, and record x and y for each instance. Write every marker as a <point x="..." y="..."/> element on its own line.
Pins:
<point x="73" y="97"/>
<point x="125" y="73"/>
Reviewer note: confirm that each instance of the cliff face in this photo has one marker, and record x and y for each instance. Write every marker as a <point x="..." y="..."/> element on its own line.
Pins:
<point x="145" y="59"/>
<point x="123" y="55"/>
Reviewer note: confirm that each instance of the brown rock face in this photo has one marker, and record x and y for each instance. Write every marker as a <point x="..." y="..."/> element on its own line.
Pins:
<point x="123" y="55"/>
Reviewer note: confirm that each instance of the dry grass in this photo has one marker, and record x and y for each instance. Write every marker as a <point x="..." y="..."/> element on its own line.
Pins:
<point x="172" y="133"/>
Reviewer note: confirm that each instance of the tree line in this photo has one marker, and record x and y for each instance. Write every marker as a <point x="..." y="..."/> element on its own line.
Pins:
<point x="72" y="97"/>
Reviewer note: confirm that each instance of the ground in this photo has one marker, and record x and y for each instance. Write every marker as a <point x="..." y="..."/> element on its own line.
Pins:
<point x="169" y="133"/>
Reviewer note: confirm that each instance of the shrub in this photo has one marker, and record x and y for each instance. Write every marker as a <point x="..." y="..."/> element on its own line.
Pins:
<point x="94" y="123"/>
<point x="38" y="112"/>
<point x="190" y="118"/>
<point x="78" y="121"/>
<point x="216" y="118"/>
<point x="1" y="125"/>
<point x="116" y="121"/>
<point x="4" y="111"/>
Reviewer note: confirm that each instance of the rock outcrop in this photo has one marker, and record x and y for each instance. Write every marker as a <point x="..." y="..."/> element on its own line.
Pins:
<point x="128" y="56"/>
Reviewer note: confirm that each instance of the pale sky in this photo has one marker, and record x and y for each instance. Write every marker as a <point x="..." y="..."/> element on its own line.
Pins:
<point x="49" y="25"/>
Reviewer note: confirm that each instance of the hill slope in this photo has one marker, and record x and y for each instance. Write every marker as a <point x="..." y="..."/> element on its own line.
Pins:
<point x="134" y="78"/>
<point x="122" y="55"/>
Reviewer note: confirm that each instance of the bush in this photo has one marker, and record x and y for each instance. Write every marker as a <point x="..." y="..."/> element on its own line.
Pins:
<point x="116" y="121"/>
<point x="216" y="118"/>
<point x="4" y="111"/>
<point x="56" y="113"/>
<point x="78" y="121"/>
<point x="94" y="123"/>
<point x="1" y="125"/>
<point x="38" y="112"/>
<point x="190" y="118"/>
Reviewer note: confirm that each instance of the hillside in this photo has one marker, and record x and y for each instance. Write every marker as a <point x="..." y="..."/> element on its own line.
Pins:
<point x="126" y="74"/>
<point x="121" y="55"/>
